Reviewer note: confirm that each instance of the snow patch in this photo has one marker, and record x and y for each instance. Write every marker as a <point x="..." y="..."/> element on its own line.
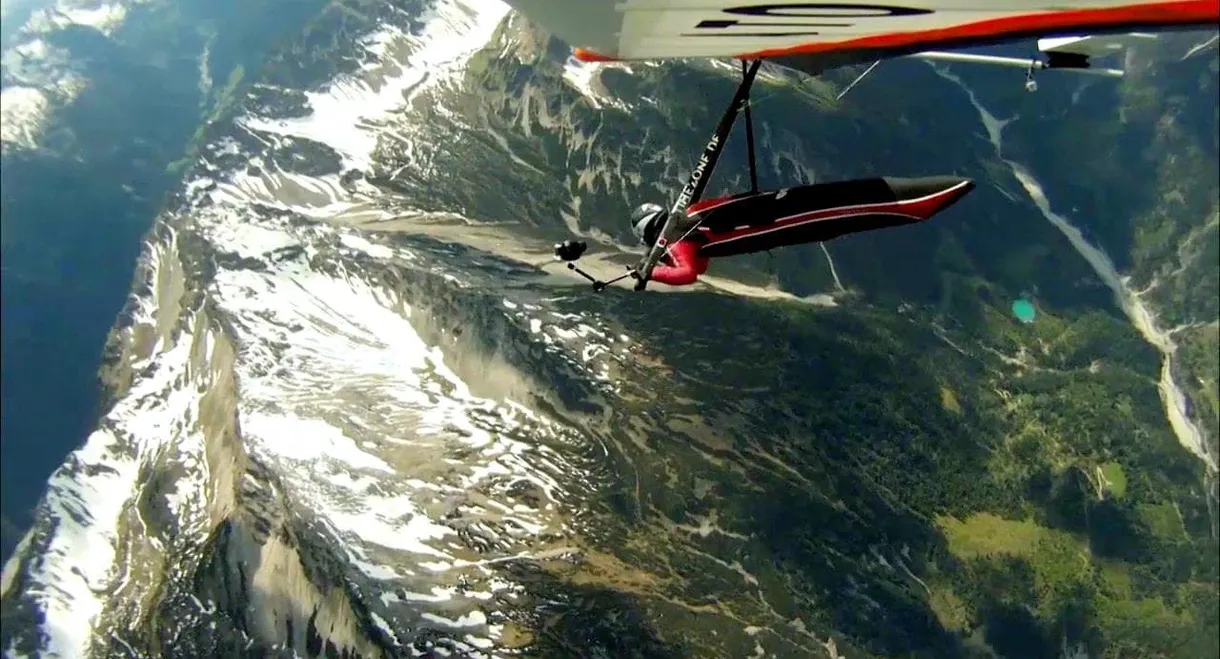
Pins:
<point x="307" y="440"/>
<point x="375" y="251"/>
<point x="341" y="113"/>
<point x="583" y="77"/>
<point x="23" y="113"/>
<point x="89" y="494"/>
<point x="103" y="17"/>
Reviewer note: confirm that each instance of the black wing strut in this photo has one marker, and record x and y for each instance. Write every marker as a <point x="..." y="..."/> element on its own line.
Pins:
<point x="699" y="177"/>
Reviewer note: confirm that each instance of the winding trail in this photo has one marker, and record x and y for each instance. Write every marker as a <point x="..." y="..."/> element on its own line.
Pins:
<point x="1189" y="434"/>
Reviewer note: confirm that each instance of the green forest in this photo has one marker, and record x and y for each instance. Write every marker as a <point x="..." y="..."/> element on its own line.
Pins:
<point x="913" y="473"/>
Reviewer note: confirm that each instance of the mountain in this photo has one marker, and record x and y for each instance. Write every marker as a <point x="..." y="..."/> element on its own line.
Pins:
<point x="350" y="412"/>
<point x="97" y="100"/>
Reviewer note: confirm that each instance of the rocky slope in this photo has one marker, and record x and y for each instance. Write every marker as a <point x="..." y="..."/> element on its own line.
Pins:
<point x="97" y="100"/>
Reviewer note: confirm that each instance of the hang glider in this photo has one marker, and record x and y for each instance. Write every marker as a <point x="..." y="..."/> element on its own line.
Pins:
<point x="813" y="37"/>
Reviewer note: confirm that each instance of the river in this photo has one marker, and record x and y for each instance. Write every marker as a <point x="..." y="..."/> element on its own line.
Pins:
<point x="1142" y="318"/>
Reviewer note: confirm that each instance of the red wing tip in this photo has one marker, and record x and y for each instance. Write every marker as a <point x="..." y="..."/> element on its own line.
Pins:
<point x="1166" y="13"/>
<point x="586" y="55"/>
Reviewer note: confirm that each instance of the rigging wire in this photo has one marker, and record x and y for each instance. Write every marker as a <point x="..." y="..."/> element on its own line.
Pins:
<point x="858" y="79"/>
<point x="750" y="101"/>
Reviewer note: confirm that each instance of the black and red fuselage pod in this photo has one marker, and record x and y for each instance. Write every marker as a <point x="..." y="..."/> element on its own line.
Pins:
<point x="755" y="222"/>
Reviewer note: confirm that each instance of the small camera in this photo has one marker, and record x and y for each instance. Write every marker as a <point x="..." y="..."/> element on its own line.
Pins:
<point x="570" y="250"/>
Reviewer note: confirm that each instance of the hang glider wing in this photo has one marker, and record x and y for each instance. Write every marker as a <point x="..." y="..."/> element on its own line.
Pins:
<point x="815" y="36"/>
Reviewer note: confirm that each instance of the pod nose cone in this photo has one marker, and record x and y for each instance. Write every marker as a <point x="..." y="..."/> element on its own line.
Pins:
<point x="928" y="195"/>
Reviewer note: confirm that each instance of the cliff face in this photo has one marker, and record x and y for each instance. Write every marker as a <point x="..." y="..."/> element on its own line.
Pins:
<point x="99" y="100"/>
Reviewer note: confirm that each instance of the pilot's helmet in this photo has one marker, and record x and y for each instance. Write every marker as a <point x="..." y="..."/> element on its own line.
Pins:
<point x="646" y="221"/>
